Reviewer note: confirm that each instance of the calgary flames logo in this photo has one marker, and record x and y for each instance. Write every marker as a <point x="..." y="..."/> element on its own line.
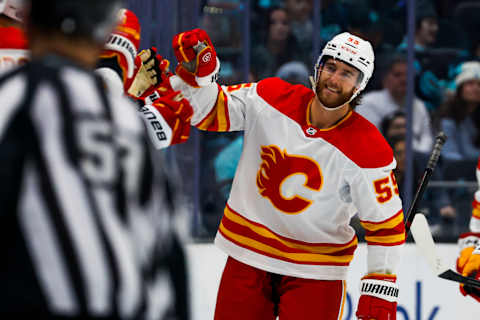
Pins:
<point x="276" y="167"/>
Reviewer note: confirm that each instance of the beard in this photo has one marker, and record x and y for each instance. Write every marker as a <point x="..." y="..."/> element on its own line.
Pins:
<point x="331" y="100"/>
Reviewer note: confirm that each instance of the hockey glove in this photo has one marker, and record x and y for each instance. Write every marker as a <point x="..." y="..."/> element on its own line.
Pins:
<point x="198" y="64"/>
<point x="468" y="263"/>
<point x="378" y="299"/>
<point x="150" y="70"/>
<point x="168" y="120"/>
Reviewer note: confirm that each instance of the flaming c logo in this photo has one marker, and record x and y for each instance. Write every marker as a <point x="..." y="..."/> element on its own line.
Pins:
<point x="276" y="167"/>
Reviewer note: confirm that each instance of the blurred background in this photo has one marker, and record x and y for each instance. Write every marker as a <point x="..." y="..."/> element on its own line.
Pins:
<point x="427" y="79"/>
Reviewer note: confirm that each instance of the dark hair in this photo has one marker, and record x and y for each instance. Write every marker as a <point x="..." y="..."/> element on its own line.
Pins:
<point x="455" y="108"/>
<point x="388" y="119"/>
<point x="356" y="101"/>
<point x="390" y="62"/>
<point x="424" y="9"/>
<point x="271" y="10"/>
<point x="393" y="140"/>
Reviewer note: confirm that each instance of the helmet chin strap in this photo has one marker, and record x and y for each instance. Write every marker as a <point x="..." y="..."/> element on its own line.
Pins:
<point x="314" y="87"/>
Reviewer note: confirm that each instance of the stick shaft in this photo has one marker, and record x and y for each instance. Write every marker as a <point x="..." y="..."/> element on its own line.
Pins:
<point x="432" y="162"/>
<point x="418" y="195"/>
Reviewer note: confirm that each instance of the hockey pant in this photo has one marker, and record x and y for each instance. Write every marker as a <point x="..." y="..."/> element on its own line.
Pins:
<point x="249" y="293"/>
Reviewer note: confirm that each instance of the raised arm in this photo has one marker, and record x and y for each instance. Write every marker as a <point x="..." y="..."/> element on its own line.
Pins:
<point x="216" y="108"/>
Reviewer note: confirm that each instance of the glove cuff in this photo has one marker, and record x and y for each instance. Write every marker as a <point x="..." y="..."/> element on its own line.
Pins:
<point x="209" y="78"/>
<point x="123" y="46"/>
<point x="157" y="127"/>
<point x="469" y="239"/>
<point x="186" y="76"/>
<point x="195" y="81"/>
<point x="380" y="286"/>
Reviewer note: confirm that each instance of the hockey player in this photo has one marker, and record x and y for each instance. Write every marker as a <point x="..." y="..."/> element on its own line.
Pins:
<point x="309" y="163"/>
<point x="13" y="45"/>
<point x="76" y="180"/>
<point x="468" y="262"/>
<point x="167" y="120"/>
<point x="166" y="113"/>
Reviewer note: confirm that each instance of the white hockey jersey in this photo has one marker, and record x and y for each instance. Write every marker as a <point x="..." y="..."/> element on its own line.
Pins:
<point x="297" y="187"/>
<point x="13" y="48"/>
<point x="475" y="220"/>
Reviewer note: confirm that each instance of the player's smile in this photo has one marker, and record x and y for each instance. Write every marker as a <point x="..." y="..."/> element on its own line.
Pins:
<point x="330" y="89"/>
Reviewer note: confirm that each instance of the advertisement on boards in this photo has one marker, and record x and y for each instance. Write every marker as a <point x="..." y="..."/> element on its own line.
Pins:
<point x="423" y="296"/>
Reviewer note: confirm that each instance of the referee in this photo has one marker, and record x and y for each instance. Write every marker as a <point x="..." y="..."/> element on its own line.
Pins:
<point x="80" y="213"/>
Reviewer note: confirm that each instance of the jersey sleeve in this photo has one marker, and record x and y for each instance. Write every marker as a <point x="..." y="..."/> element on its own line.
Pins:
<point x="375" y="195"/>
<point x="219" y="108"/>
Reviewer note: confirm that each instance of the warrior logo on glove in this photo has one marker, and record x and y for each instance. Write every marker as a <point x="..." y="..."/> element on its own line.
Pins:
<point x="379" y="295"/>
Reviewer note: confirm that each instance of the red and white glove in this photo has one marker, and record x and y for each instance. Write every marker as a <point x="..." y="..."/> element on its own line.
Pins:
<point x="167" y="120"/>
<point x="379" y="295"/>
<point x="468" y="263"/>
<point x="198" y="64"/>
<point x="123" y="43"/>
<point x="151" y="71"/>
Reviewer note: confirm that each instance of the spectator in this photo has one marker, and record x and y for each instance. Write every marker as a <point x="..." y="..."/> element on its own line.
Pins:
<point x="365" y="22"/>
<point x="278" y="47"/>
<point x="294" y="72"/>
<point x="300" y="13"/>
<point x="397" y="143"/>
<point x="333" y="19"/>
<point x="436" y="202"/>
<point x="380" y="103"/>
<point x="394" y="124"/>
<point x="460" y="116"/>
<point x="426" y="27"/>
<point x="428" y="84"/>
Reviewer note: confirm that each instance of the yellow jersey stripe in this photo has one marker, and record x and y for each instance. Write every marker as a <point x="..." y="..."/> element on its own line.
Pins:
<point x="390" y="224"/>
<point x="386" y="239"/>
<point x="476" y="213"/>
<point x="318" y="249"/>
<point x="221" y="112"/>
<point x="300" y="257"/>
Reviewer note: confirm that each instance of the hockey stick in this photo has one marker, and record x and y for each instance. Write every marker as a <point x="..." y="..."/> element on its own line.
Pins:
<point x="420" y="229"/>
<point x="424" y="241"/>
<point x="432" y="163"/>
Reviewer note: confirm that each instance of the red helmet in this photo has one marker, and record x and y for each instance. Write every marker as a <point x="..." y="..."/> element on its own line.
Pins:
<point x="124" y="42"/>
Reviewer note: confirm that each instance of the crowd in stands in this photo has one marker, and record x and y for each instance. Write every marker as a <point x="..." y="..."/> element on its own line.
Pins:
<point x="447" y="83"/>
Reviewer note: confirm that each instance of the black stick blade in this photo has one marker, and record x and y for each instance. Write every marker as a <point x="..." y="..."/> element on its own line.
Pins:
<point x="457" y="277"/>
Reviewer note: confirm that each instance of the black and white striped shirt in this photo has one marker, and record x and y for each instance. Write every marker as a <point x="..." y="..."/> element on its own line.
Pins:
<point x="81" y="218"/>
